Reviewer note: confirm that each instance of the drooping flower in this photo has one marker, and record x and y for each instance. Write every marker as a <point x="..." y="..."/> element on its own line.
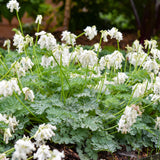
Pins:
<point x="90" y="32"/>
<point x="151" y="65"/>
<point x="13" y="4"/>
<point x="7" y="135"/>
<point x="28" y="94"/>
<point x="96" y="47"/>
<point x="56" y="155"/>
<point x="8" y="87"/>
<point x="23" y="147"/>
<point x="7" y="43"/>
<point x="88" y="58"/>
<point x="46" y="40"/>
<point x="43" y="153"/>
<point x="26" y="63"/>
<point x="3" y="157"/>
<point x="152" y="44"/>
<point x="46" y="61"/>
<point x="44" y="132"/>
<point x="18" y="40"/>
<point x="68" y="37"/>
<point x="128" y="118"/>
<point x="120" y="79"/>
<point x="39" y="19"/>
<point x="104" y="35"/>
<point x="157" y="123"/>
<point x="114" y="33"/>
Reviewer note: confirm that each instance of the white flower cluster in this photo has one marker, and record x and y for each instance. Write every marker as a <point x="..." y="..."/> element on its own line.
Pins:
<point x="88" y="58"/>
<point x="90" y="32"/>
<point x="151" y="65"/>
<point x="113" y="60"/>
<point x="46" y="40"/>
<point x="8" y="87"/>
<point x="120" y="79"/>
<point x="44" y="152"/>
<point x="24" y="147"/>
<point x="24" y="65"/>
<point x="155" y="86"/>
<point x="68" y="37"/>
<point x="136" y="55"/>
<point x="13" y="4"/>
<point x="21" y="42"/>
<point x="128" y="118"/>
<point x="11" y="122"/>
<point x="44" y="132"/>
<point x="152" y="44"/>
<point x="140" y="88"/>
<point x="113" y="33"/>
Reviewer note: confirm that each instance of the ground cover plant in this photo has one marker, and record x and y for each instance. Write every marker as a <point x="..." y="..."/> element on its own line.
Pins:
<point x="62" y="93"/>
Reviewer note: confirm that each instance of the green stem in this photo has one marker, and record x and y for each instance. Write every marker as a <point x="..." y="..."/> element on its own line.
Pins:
<point x="9" y="151"/>
<point x="30" y="158"/>
<point x="38" y="68"/>
<point x="3" y="65"/>
<point x="111" y="127"/>
<point x="62" y="84"/>
<point x="8" y="71"/>
<point x="20" y="24"/>
<point x="37" y="36"/>
<point x="23" y="104"/>
<point x="80" y="35"/>
<point x="62" y="71"/>
<point x="99" y="46"/>
<point x="118" y="45"/>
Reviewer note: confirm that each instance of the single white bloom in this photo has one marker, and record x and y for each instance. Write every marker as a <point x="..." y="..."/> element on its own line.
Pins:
<point x="3" y="157"/>
<point x="7" y="135"/>
<point x="56" y="155"/>
<point x="68" y="37"/>
<point x="40" y="33"/>
<point x="157" y="123"/>
<point x="140" y="88"/>
<point x="46" y="61"/>
<point x="116" y="59"/>
<point x="90" y="32"/>
<point x="39" y="19"/>
<point x="43" y="153"/>
<point x="23" y="147"/>
<point x="104" y="35"/>
<point x="120" y="79"/>
<point x="13" y="4"/>
<point x="8" y="87"/>
<point x="18" y="69"/>
<point x="26" y="63"/>
<point x="3" y="118"/>
<point x="12" y="123"/>
<point x="44" y="132"/>
<point x="96" y="46"/>
<point x="105" y="61"/>
<point x="28" y="93"/>
<point x="7" y="43"/>
<point x="156" y="53"/>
